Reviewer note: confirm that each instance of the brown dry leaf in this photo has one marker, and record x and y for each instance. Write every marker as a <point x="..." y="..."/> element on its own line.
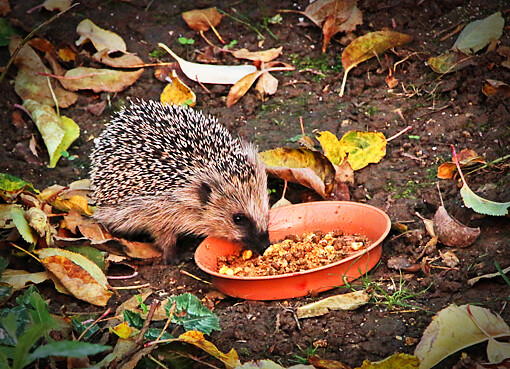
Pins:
<point x="492" y="87"/>
<point x="100" y="38"/>
<point x="19" y="278"/>
<point x="5" y="8"/>
<point x="140" y="250"/>
<point x="449" y="258"/>
<point x="467" y="158"/>
<point x="346" y="301"/>
<point x="98" y="80"/>
<point x="320" y="363"/>
<point x="266" y="85"/>
<point x="402" y="262"/>
<point x="451" y="232"/>
<point x="202" y="19"/>
<point x="334" y="16"/>
<point x="29" y="84"/>
<point x="241" y="87"/>
<point x="43" y="45"/>
<point x="262" y="56"/>
<point x="75" y="197"/>
<point x="177" y="93"/>
<point x="391" y="81"/>
<point x="78" y="274"/>
<point x="307" y="167"/>
<point x="125" y="60"/>
<point x="66" y="54"/>
<point x="367" y="46"/>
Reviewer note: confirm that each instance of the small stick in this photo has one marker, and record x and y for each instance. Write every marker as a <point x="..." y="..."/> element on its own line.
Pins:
<point x="194" y="277"/>
<point x="170" y="315"/>
<point x="108" y="311"/>
<point x="399" y="133"/>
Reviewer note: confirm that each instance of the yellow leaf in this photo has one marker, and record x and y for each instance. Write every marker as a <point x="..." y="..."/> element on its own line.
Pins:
<point x="331" y="147"/>
<point x="455" y="328"/>
<point x="401" y="361"/>
<point x="123" y="330"/>
<point x="19" y="278"/>
<point x="363" y="148"/>
<point x="347" y="301"/>
<point x="196" y="338"/>
<point x="367" y="46"/>
<point x="100" y="38"/>
<point x="177" y="93"/>
<point x="241" y="87"/>
<point x="78" y="274"/>
<point x="307" y="167"/>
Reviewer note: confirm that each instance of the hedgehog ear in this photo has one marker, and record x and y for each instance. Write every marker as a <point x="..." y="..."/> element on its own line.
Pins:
<point x="204" y="193"/>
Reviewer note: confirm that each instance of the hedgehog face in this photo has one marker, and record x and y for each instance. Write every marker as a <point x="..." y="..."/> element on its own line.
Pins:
<point x="236" y="209"/>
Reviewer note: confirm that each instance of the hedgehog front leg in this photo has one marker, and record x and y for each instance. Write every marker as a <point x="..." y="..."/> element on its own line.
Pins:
<point x="165" y="240"/>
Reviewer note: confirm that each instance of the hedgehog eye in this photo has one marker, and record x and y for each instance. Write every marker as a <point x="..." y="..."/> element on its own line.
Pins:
<point x="239" y="218"/>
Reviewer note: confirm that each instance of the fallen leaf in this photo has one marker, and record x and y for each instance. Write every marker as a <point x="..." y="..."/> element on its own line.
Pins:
<point x="478" y="34"/>
<point x="280" y="203"/>
<point x="492" y="87"/>
<point x="467" y="158"/>
<point x="347" y="301"/>
<point x="367" y="46"/>
<point x="196" y="338"/>
<point x="216" y="74"/>
<point x="307" y="167"/>
<point x="124" y="60"/>
<point x="334" y="16"/>
<point x="475" y="202"/>
<point x="449" y="62"/>
<point x="100" y="38"/>
<point x="262" y="56"/>
<point x="453" y="329"/>
<point x="472" y="281"/>
<point x="363" y="147"/>
<point x="43" y="45"/>
<point x="451" y="232"/>
<point x="241" y="87"/>
<point x="402" y="262"/>
<point x="202" y="19"/>
<point x="58" y="133"/>
<point x="29" y="84"/>
<point x="177" y="93"/>
<point x="266" y="85"/>
<point x="449" y="258"/>
<point x="320" y="363"/>
<point x="61" y="5"/>
<point x="98" y="80"/>
<point x="401" y="361"/>
<point x="123" y="330"/>
<point x="13" y="215"/>
<point x="79" y="275"/>
<point x="66" y="54"/>
<point x="18" y="279"/>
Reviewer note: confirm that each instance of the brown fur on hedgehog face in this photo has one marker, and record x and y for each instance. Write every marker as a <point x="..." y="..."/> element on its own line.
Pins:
<point x="229" y="208"/>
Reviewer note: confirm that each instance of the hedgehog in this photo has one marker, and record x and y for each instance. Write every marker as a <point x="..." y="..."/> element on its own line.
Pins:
<point x="169" y="171"/>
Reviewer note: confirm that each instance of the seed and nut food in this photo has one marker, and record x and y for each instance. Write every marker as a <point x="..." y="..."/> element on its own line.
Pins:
<point x="295" y="253"/>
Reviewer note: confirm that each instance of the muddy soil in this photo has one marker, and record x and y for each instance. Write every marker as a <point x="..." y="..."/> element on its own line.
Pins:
<point x="442" y="111"/>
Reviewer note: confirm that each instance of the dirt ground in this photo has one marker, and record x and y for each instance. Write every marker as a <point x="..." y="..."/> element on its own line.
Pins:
<point x="442" y="111"/>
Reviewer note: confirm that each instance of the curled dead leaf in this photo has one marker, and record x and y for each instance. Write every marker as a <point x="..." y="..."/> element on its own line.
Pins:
<point x="202" y="19"/>
<point x="451" y="232"/>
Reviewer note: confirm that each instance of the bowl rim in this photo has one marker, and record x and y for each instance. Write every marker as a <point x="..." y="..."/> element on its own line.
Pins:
<point x="356" y="255"/>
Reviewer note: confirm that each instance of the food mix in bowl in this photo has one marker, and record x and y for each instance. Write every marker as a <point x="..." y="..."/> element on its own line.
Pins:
<point x="295" y="253"/>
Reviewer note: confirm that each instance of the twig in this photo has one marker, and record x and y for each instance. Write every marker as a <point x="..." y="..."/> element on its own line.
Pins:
<point x="170" y="315"/>
<point x="25" y="251"/>
<point x="108" y="311"/>
<point x="194" y="277"/>
<point x="399" y="133"/>
<point x="498" y="160"/>
<point x="28" y="37"/>
<point x="132" y="287"/>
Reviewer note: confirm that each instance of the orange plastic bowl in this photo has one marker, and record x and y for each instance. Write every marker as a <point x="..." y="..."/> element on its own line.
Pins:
<point x="350" y="217"/>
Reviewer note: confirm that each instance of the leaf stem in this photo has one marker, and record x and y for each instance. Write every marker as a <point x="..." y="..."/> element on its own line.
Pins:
<point x="399" y="133"/>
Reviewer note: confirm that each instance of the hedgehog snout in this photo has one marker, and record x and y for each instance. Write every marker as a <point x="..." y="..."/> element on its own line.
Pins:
<point x="257" y="242"/>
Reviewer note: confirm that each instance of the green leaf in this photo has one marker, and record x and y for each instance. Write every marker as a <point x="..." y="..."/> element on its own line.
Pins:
<point x="18" y="217"/>
<point x="67" y="349"/>
<point x="191" y="314"/>
<point x="478" y="34"/>
<point x="80" y="327"/>
<point x="153" y="333"/>
<point x="5" y="292"/>
<point x="11" y="183"/>
<point x="12" y="324"/>
<point x="3" y="265"/>
<point x="95" y="255"/>
<point x="58" y="133"/>
<point x="25" y="343"/>
<point x="133" y="319"/>
<point x="6" y="31"/>
<point x="481" y="205"/>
